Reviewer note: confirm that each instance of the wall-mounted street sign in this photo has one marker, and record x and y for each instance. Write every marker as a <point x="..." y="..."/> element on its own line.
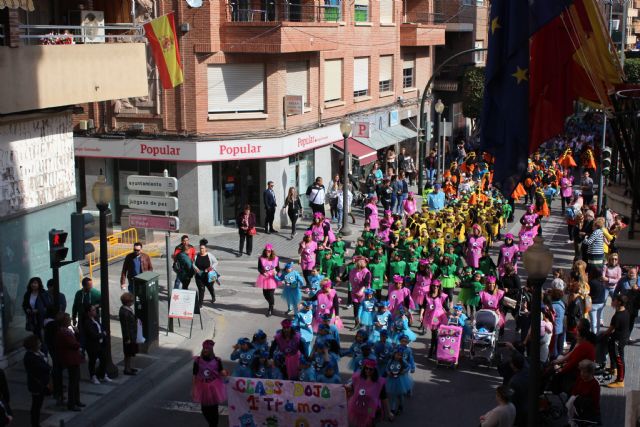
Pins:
<point x="154" y="203"/>
<point x="160" y="184"/>
<point x="155" y="222"/>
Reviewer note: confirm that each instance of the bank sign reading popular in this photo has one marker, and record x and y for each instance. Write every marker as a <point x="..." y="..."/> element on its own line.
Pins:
<point x="207" y="151"/>
<point x="279" y="403"/>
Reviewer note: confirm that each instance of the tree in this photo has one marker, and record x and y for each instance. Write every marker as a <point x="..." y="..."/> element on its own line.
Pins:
<point x="632" y="69"/>
<point x="472" y="93"/>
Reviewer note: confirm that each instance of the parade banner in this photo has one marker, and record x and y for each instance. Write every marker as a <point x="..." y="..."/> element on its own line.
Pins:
<point x="258" y="402"/>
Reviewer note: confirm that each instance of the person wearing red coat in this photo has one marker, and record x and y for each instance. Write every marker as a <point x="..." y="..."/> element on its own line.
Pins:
<point x="68" y="353"/>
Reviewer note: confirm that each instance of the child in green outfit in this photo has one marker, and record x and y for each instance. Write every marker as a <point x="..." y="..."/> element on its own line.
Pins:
<point x="378" y="271"/>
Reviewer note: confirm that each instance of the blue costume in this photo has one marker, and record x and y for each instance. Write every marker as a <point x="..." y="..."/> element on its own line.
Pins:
<point x="407" y="357"/>
<point x="398" y="383"/>
<point x="367" y="313"/>
<point x="302" y="323"/>
<point x="293" y="282"/>
<point x="320" y="364"/>
<point x="383" y="351"/>
<point x="382" y="320"/>
<point x="401" y="327"/>
<point x="335" y="379"/>
<point x="244" y="358"/>
<point x="259" y="342"/>
<point x="355" y="351"/>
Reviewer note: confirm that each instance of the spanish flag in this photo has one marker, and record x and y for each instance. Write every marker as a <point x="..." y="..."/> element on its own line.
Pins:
<point x="161" y="33"/>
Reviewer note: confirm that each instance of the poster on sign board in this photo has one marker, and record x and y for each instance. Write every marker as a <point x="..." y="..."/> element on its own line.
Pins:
<point x="258" y="402"/>
<point x="183" y="303"/>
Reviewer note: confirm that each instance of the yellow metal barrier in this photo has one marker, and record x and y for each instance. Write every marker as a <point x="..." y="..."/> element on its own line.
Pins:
<point x="118" y="246"/>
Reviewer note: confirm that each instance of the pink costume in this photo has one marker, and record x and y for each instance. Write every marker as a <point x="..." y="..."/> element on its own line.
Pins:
<point x="208" y="387"/>
<point x="374" y="222"/>
<point x="325" y="306"/>
<point x="529" y="224"/>
<point x="397" y="297"/>
<point x="566" y="189"/>
<point x="267" y="279"/>
<point x="509" y="254"/>
<point x="492" y="302"/>
<point x="434" y="312"/>
<point x="409" y="207"/>
<point x="359" y="279"/>
<point x="308" y="255"/>
<point x="526" y="240"/>
<point x="474" y="250"/>
<point x="365" y="401"/>
<point x="383" y="234"/>
<point x="317" y="233"/>
<point x="290" y="349"/>
<point x="421" y="288"/>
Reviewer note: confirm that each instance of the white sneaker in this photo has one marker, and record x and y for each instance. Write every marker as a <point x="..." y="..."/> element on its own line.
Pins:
<point x="106" y="379"/>
<point x="94" y="380"/>
<point x="569" y="241"/>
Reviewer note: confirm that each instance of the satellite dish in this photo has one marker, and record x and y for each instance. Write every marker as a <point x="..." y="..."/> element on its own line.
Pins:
<point x="194" y="3"/>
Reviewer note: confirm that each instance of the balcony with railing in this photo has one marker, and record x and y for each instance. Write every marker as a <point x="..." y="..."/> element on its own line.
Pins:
<point x="421" y="29"/>
<point x="68" y="65"/>
<point x="280" y="27"/>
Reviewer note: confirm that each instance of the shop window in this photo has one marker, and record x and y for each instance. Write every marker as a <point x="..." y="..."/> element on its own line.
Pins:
<point x="236" y="88"/>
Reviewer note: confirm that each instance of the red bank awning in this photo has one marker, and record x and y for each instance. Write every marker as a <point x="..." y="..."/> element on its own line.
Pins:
<point x="364" y="154"/>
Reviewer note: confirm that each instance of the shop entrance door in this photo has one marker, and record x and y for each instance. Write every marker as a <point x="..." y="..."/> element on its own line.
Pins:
<point x="239" y="185"/>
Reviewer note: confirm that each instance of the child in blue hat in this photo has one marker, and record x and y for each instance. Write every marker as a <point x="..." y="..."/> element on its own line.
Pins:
<point x="292" y="291"/>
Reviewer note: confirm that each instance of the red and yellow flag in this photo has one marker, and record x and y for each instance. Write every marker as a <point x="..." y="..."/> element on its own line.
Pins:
<point x="161" y="33"/>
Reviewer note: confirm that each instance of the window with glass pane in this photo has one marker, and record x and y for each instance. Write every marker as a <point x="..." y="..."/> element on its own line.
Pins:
<point x="386" y="11"/>
<point x="361" y="11"/>
<point x="332" y="10"/>
<point x="332" y="80"/>
<point x="385" y="80"/>
<point x="408" y="71"/>
<point x="479" y="57"/>
<point x="360" y="77"/>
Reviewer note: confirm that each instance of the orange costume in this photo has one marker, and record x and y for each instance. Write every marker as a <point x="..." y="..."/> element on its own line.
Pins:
<point x="588" y="161"/>
<point x="566" y="160"/>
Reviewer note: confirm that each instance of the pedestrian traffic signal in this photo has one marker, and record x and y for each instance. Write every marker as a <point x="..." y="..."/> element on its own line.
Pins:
<point x="606" y="161"/>
<point x="80" y="234"/>
<point x="57" y="250"/>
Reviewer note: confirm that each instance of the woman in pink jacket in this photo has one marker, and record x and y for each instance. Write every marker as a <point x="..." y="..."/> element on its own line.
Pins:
<point x="268" y="266"/>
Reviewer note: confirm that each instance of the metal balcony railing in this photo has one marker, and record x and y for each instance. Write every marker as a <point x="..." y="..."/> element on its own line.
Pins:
<point x="72" y="34"/>
<point x="419" y="18"/>
<point x="284" y="12"/>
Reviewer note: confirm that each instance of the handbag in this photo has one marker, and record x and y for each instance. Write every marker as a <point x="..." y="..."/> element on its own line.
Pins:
<point x="251" y="231"/>
<point x="139" y="336"/>
<point x="509" y="302"/>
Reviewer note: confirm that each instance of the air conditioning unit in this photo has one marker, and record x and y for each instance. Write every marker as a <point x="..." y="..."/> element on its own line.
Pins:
<point x="92" y="23"/>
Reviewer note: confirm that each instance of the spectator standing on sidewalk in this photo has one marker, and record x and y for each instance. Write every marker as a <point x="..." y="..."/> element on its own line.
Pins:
<point x="129" y="326"/>
<point x="37" y="368"/>
<point x="618" y="334"/>
<point x="586" y="185"/>
<point x="270" y="204"/>
<point x="184" y="246"/>
<point x="68" y="351"/>
<point x="95" y="346"/>
<point x="34" y="304"/>
<point x="204" y="263"/>
<point x="246" y="229"/>
<point x="293" y="207"/>
<point x="134" y="263"/>
<point x="84" y="298"/>
<point x="316" y="193"/>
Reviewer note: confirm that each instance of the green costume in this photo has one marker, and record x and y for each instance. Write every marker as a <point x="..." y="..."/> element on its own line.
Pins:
<point x="377" y="274"/>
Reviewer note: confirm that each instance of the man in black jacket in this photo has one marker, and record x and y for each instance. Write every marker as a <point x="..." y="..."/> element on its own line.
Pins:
<point x="270" y="204"/>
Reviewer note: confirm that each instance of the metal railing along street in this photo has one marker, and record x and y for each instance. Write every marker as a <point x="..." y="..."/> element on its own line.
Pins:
<point x="119" y="244"/>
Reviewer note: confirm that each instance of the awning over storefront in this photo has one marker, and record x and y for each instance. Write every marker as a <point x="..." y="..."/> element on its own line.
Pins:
<point x="364" y="154"/>
<point x="382" y="138"/>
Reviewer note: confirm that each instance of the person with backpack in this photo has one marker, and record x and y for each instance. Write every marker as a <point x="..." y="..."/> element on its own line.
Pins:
<point x="316" y="193"/>
<point x="186" y="247"/>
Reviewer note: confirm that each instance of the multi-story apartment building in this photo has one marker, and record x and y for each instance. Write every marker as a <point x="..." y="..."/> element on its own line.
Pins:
<point x="466" y="28"/>
<point x="46" y="68"/>
<point x="227" y="131"/>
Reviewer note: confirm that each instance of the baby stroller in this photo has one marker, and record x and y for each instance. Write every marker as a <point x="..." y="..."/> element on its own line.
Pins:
<point x="485" y="336"/>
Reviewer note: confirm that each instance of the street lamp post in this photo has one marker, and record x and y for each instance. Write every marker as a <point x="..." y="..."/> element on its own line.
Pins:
<point x="439" y="107"/>
<point x="345" y="129"/>
<point x="537" y="260"/>
<point x="102" y="195"/>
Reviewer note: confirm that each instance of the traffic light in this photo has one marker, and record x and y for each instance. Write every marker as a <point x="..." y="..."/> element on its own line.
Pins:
<point x="57" y="250"/>
<point x="429" y="131"/>
<point x="606" y="161"/>
<point x="80" y="234"/>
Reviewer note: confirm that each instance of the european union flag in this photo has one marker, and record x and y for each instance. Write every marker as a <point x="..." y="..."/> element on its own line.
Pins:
<point x="505" y="113"/>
